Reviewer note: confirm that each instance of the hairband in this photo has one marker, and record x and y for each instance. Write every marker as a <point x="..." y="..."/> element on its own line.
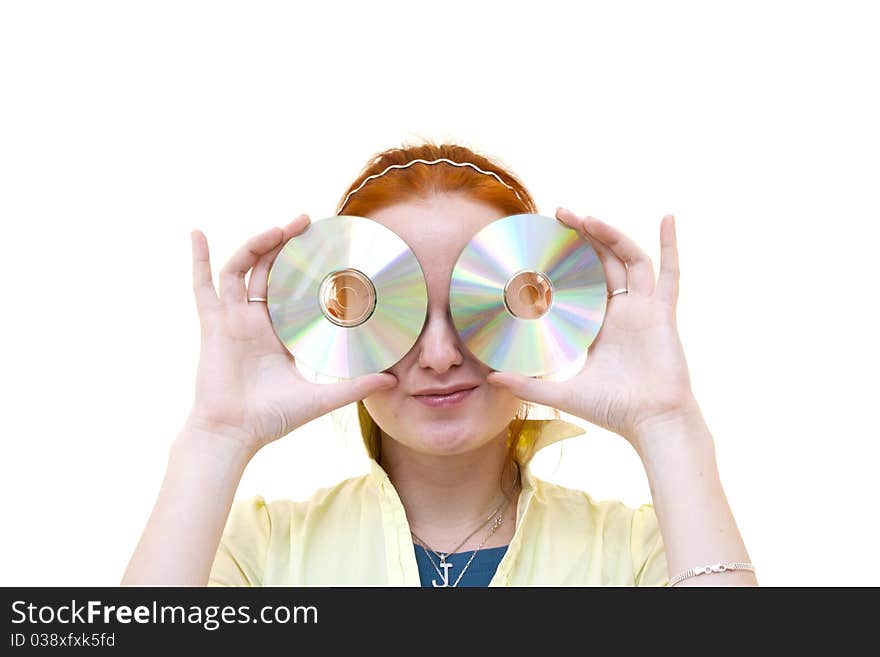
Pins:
<point x="417" y="161"/>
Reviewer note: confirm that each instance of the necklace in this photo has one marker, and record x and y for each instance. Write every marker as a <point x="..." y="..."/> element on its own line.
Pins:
<point x="455" y="549"/>
<point x="498" y="514"/>
<point x="499" y="519"/>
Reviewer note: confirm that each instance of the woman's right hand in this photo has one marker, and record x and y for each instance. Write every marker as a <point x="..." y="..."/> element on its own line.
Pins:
<point x="248" y="388"/>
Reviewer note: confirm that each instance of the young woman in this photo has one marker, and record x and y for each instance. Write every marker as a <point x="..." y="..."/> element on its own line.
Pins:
<point x="449" y="499"/>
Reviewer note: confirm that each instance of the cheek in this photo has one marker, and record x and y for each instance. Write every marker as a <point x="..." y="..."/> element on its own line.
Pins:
<point x="501" y="402"/>
<point x="384" y="405"/>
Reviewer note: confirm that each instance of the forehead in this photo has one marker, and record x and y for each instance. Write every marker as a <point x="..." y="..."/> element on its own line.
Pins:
<point x="438" y="229"/>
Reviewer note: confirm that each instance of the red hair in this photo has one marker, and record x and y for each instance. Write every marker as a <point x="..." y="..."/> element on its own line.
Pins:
<point x="418" y="183"/>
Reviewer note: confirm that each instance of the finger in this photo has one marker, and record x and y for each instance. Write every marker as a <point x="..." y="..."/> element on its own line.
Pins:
<point x="569" y="218"/>
<point x="640" y="269"/>
<point x="615" y="270"/>
<point x="336" y="395"/>
<point x="549" y="393"/>
<point x="258" y="281"/>
<point x="667" y="284"/>
<point x="203" y="284"/>
<point x="232" y="289"/>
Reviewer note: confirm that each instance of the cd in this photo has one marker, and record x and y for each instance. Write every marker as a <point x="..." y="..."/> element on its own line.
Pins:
<point x="528" y="295"/>
<point x="347" y="296"/>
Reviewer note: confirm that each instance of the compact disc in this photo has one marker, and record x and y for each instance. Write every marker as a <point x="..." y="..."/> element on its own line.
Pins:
<point x="347" y="296"/>
<point x="528" y="295"/>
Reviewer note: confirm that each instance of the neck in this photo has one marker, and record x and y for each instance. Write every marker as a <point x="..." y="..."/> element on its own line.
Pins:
<point x="449" y="496"/>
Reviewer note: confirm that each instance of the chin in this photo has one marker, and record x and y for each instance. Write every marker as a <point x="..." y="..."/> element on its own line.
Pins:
<point x="436" y="441"/>
<point x="448" y="437"/>
<point x="444" y="431"/>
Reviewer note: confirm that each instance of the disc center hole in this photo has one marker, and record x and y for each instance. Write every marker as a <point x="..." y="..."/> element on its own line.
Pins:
<point x="347" y="297"/>
<point x="528" y="295"/>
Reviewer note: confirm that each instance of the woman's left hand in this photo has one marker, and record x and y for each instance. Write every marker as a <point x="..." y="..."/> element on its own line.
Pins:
<point x="635" y="376"/>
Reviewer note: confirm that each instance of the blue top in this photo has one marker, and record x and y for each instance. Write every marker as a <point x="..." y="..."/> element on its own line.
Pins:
<point x="479" y="573"/>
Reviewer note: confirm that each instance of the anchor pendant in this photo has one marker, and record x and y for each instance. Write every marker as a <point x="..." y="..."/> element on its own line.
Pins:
<point x="445" y="566"/>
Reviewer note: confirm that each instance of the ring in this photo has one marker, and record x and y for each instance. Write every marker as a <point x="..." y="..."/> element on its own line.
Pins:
<point x="621" y="290"/>
<point x="256" y="299"/>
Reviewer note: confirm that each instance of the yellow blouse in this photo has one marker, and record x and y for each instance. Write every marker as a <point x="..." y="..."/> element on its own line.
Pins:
<point x="356" y="534"/>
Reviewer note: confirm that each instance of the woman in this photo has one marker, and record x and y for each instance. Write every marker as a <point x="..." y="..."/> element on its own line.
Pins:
<point x="449" y="499"/>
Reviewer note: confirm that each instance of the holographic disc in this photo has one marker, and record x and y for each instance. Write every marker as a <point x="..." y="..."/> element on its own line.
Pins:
<point x="347" y="297"/>
<point x="528" y="295"/>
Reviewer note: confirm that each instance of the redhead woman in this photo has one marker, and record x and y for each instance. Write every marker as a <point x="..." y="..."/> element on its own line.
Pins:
<point x="449" y="498"/>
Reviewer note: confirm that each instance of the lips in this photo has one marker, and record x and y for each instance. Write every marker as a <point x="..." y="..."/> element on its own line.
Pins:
<point x="455" y="396"/>
<point x="448" y="390"/>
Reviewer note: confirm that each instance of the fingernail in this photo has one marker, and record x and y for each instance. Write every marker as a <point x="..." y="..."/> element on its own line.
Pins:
<point x="388" y="381"/>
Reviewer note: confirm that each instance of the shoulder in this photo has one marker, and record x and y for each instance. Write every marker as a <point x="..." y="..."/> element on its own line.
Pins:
<point x="258" y="534"/>
<point x="608" y="512"/>
<point x="259" y="518"/>
<point x="612" y="521"/>
<point x="258" y="513"/>
<point x="606" y="527"/>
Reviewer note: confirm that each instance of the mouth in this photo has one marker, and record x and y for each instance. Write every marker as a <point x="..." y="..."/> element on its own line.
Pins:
<point x="451" y="399"/>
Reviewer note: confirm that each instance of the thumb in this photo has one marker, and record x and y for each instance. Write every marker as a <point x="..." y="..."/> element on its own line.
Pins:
<point x="528" y="388"/>
<point x="339" y="394"/>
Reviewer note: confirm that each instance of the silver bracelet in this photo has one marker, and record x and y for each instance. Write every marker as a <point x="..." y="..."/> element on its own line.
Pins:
<point x="711" y="568"/>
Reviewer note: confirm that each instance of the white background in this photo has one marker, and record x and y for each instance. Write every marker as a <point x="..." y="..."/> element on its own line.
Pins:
<point x="125" y="125"/>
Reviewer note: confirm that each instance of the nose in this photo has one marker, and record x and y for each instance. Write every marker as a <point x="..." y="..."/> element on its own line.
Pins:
<point x="439" y="345"/>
